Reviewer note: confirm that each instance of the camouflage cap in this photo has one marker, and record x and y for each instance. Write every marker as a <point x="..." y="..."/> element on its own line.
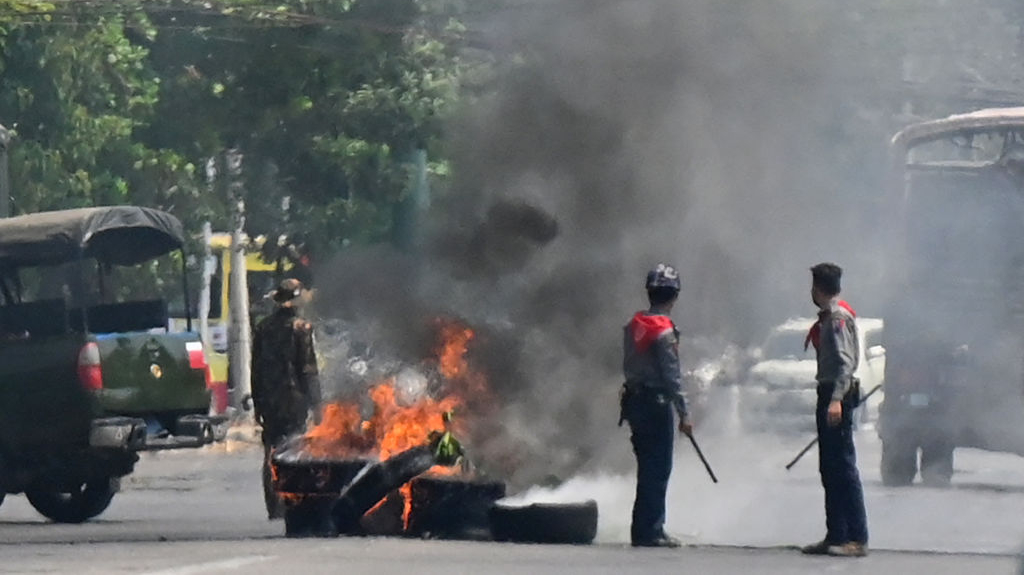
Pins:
<point x="288" y="290"/>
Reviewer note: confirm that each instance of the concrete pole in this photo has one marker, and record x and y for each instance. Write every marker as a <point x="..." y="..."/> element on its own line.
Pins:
<point x="240" y="341"/>
<point x="5" y="176"/>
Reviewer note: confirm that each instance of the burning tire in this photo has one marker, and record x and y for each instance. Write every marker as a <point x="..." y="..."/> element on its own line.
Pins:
<point x="574" y="523"/>
<point x="87" y="501"/>
<point x="452" y="507"/>
<point x="309" y="516"/>
<point x="374" y="484"/>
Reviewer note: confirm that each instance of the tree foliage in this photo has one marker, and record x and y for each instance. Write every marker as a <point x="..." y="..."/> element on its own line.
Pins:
<point x="327" y="101"/>
<point x="140" y="101"/>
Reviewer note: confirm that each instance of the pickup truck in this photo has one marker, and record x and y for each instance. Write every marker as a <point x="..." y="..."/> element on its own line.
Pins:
<point x="779" y="393"/>
<point x="89" y="377"/>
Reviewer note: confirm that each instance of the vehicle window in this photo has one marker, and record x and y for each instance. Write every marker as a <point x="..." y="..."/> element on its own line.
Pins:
<point x="982" y="147"/>
<point x="87" y="283"/>
<point x="177" y="308"/>
<point x="785" y="345"/>
<point x="72" y="282"/>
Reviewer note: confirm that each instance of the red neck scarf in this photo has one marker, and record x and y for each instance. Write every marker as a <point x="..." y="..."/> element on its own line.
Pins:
<point x="814" y="335"/>
<point x="646" y="328"/>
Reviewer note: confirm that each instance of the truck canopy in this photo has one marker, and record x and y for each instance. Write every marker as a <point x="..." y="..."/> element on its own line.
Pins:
<point x="989" y="119"/>
<point x="117" y="235"/>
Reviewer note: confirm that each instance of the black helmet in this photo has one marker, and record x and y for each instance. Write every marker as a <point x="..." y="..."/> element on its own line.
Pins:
<point x="663" y="276"/>
<point x="288" y="290"/>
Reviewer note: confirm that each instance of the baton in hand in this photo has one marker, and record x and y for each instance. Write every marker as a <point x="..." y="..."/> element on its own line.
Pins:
<point x="703" y="460"/>
<point x="815" y="440"/>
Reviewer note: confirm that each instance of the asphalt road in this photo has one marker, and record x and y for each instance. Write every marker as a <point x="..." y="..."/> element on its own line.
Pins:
<point x="191" y="512"/>
<point x="385" y="556"/>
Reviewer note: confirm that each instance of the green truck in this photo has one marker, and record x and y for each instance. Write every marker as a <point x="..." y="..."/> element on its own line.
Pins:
<point x="89" y="373"/>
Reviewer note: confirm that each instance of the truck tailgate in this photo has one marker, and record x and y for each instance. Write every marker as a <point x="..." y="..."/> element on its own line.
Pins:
<point x="151" y="373"/>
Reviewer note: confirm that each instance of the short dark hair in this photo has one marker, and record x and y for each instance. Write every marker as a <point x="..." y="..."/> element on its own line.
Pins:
<point x="827" y="277"/>
<point x="661" y="295"/>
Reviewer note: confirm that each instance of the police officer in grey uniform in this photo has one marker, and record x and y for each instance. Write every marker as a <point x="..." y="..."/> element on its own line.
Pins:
<point x="653" y="390"/>
<point x="834" y="336"/>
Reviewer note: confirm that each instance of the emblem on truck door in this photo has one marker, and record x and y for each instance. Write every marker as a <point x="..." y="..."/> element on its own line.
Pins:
<point x="156" y="371"/>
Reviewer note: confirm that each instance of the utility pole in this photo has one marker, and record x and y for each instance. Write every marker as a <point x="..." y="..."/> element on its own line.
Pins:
<point x="240" y="340"/>
<point x="5" y="176"/>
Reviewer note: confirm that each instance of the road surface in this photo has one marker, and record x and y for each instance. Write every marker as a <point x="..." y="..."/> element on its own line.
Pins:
<point x="191" y="512"/>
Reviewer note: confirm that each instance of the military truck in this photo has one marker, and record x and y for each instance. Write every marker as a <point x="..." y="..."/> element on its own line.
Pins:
<point x="89" y="373"/>
<point x="955" y="322"/>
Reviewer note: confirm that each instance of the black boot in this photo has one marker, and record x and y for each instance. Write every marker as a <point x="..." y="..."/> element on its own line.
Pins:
<point x="662" y="540"/>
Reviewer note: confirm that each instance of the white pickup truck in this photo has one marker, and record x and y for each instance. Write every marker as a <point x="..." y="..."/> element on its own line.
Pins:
<point x="779" y="394"/>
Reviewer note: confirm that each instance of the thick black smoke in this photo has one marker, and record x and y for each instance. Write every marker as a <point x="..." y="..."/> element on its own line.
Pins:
<point x="617" y="135"/>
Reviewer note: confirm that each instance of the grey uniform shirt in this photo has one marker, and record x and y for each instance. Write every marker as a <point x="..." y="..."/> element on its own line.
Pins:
<point x="651" y="358"/>
<point x="838" y="349"/>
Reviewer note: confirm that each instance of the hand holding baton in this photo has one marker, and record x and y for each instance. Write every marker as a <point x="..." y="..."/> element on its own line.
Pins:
<point x="815" y="440"/>
<point x="703" y="460"/>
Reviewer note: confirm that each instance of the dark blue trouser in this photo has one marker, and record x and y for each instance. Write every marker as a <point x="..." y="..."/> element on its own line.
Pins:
<point x="652" y="426"/>
<point x="845" y="518"/>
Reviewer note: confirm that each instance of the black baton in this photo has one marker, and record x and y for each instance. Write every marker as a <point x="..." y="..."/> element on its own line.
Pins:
<point x="703" y="460"/>
<point x="815" y="440"/>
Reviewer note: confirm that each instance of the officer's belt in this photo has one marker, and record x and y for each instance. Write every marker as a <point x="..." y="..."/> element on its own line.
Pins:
<point x="852" y="393"/>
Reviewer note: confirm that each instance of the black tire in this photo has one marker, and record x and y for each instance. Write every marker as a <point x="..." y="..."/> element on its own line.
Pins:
<point x="937" y="464"/>
<point x="899" y="463"/>
<point x="91" y="499"/>
<point x="452" y="508"/>
<point x="2" y="495"/>
<point x="545" y="522"/>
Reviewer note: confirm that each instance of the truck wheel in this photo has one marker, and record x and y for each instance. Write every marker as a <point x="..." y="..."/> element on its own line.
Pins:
<point x="86" y="502"/>
<point x="937" y="464"/>
<point x="899" y="463"/>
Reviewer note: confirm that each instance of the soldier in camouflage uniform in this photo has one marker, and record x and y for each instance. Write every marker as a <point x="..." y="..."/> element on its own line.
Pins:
<point x="285" y="388"/>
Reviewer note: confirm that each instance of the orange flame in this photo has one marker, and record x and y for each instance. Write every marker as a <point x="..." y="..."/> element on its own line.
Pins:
<point x="340" y="432"/>
<point x="400" y="428"/>
<point x="393" y="428"/>
<point x="451" y="353"/>
<point x="406" y="491"/>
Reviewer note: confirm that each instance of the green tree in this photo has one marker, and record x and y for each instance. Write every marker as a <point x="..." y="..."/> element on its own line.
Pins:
<point x="138" y="101"/>
<point x="326" y="101"/>
<point x="75" y="89"/>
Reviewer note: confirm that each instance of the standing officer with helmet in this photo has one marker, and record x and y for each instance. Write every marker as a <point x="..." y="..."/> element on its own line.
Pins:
<point x="652" y="390"/>
<point x="285" y="387"/>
